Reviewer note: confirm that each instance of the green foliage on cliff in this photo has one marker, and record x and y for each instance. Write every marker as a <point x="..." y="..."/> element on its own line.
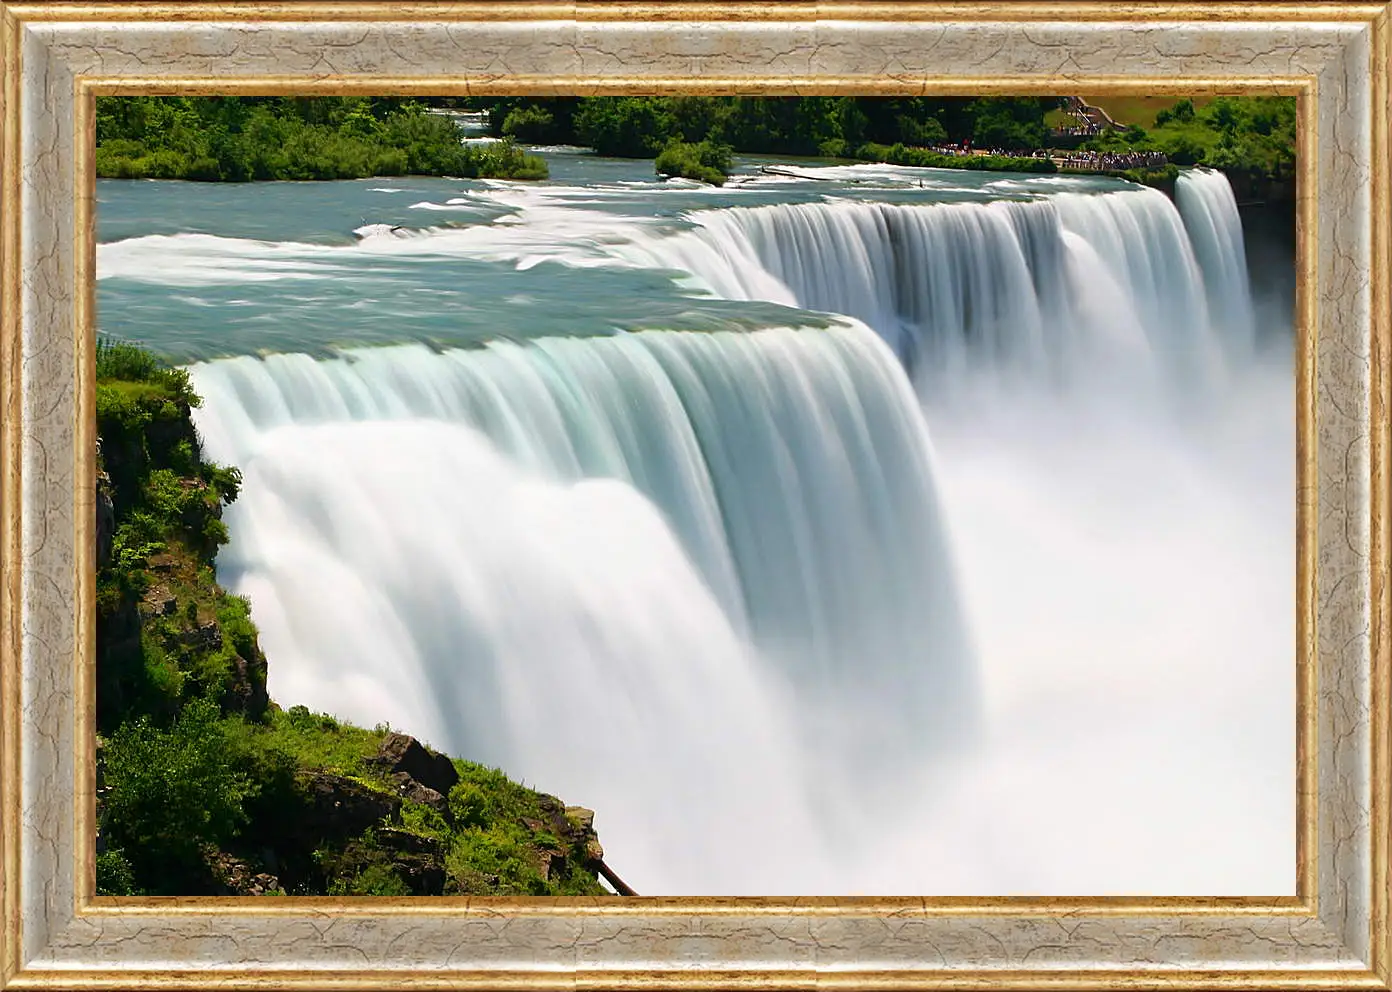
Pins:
<point x="206" y="787"/>
<point x="500" y="826"/>
<point x="166" y="634"/>
<point x="247" y="138"/>
<point x="174" y="791"/>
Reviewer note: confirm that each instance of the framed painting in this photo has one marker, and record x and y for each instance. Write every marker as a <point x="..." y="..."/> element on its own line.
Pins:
<point x="911" y="478"/>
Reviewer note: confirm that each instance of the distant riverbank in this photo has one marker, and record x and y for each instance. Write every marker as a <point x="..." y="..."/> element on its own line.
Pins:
<point x="237" y="139"/>
<point x="1241" y="136"/>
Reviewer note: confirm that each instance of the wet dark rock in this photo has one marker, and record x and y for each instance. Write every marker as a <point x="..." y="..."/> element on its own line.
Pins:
<point x="202" y="637"/>
<point x="247" y="692"/>
<point x="420" y="861"/>
<point x="235" y="877"/>
<point x="582" y="821"/>
<point x="401" y="754"/>
<point x="408" y="788"/>
<point x="337" y="807"/>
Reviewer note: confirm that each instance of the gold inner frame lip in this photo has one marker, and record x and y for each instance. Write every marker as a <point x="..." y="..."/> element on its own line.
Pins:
<point x="1302" y="904"/>
<point x="11" y="537"/>
<point x="714" y="980"/>
<point x="815" y="85"/>
<point x="666" y="11"/>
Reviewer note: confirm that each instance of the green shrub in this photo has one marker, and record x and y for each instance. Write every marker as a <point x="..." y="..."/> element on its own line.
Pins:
<point x="504" y="160"/>
<point x="162" y="674"/>
<point x="468" y="805"/>
<point x="834" y="148"/>
<point x="923" y="158"/>
<point x="531" y="125"/>
<point x="374" y="880"/>
<point x="173" y="791"/>
<point x="704" y="161"/>
<point x="134" y="375"/>
<point x="115" y="877"/>
<point x="123" y="360"/>
<point x="423" y="820"/>
<point x="628" y="127"/>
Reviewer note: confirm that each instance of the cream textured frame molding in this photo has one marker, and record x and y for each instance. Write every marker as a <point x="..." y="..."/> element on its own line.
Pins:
<point x="56" y="57"/>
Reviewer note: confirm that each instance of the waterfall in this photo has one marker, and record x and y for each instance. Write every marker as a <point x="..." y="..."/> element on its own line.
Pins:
<point x="686" y="578"/>
<point x="1116" y="291"/>
<point x="1205" y="200"/>
<point x="720" y="587"/>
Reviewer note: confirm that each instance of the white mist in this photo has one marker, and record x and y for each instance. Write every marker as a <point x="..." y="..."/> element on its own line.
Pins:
<point x="722" y="589"/>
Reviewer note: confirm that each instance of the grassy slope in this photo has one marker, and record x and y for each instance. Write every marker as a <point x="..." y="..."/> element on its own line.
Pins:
<point x="205" y="785"/>
<point x="1139" y="110"/>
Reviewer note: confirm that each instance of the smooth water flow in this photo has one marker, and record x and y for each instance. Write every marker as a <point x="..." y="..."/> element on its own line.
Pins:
<point x="641" y="506"/>
<point x="599" y="560"/>
<point x="1064" y="293"/>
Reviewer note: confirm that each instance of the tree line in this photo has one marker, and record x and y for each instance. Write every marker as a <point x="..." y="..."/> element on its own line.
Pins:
<point x="249" y="138"/>
<point x="236" y="139"/>
<point x="642" y="126"/>
<point x="696" y="134"/>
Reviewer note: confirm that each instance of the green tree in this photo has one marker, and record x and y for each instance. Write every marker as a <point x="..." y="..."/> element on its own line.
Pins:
<point x="921" y="132"/>
<point x="627" y="127"/>
<point x="1233" y="151"/>
<point x="173" y="790"/>
<point x="1223" y="114"/>
<point x="248" y="138"/>
<point x="704" y="161"/>
<point x="1183" y="150"/>
<point x="1010" y="122"/>
<point x="531" y="125"/>
<point x="1182" y="112"/>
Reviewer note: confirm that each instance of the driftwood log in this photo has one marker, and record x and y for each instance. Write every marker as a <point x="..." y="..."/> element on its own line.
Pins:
<point x="618" y="883"/>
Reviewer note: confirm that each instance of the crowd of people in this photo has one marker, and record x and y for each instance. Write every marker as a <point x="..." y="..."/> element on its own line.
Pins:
<point x="1087" y="161"/>
<point x="1110" y="161"/>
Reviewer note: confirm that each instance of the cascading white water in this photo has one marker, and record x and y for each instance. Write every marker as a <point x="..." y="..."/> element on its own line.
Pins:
<point x="1076" y="291"/>
<point x="689" y="579"/>
<point x="701" y="582"/>
<point x="1206" y="202"/>
<point x="1115" y="459"/>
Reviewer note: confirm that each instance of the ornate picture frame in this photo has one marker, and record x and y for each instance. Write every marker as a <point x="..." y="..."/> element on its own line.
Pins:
<point x="1335" y="58"/>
